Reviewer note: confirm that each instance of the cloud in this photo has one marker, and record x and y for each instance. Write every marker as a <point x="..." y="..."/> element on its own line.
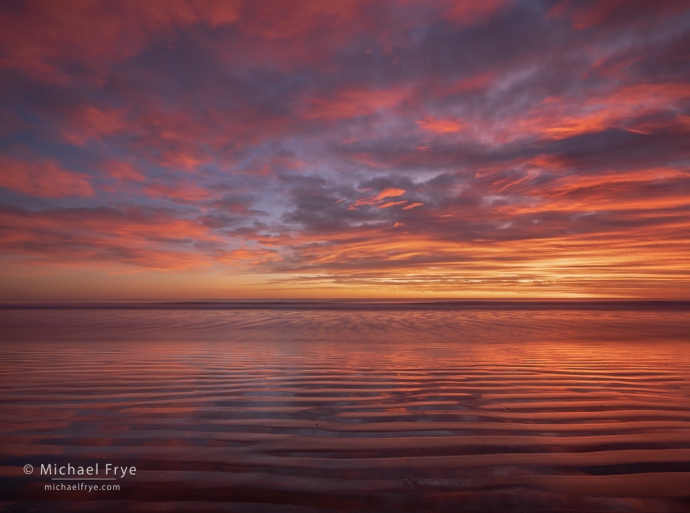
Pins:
<point x="468" y="13"/>
<point x="42" y="178"/>
<point x="430" y="147"/>
<point x="392" y="204"/>
<point x="625" y="107"/>
<point x="124" y="171"/>
<point x="90" y="122"/>
<point x="390" y="192"/>
<point x="440" y="126"/>
<point x="147" y="239"/>
<point x="43" y="40"/>
<point x="353" y="103"/>
<point x="590" y="13"/>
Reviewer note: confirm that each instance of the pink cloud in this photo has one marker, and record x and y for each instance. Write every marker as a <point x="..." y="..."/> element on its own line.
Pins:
<point x="355" y="102"/>
<point x="42" y="178"/>
<point x="178" y="190"/>
<point x="90" y="122"/>
<point x="123" y="171"/>
<point x="40" y="38"/>
<point x="132" y="237"/>
<point x="440" y="126"/>
<point x="469" y="13"/>
<point x="237" y="125"/>
<point x="587" y="14"/>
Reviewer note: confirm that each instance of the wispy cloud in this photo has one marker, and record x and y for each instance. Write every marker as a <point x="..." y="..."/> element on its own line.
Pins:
<point x="366" y="147"/>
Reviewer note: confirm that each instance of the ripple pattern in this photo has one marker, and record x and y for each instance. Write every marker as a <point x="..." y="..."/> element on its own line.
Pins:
<point x="349" y="410"/>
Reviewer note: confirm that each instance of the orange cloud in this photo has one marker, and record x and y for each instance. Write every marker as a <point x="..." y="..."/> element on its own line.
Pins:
<point x="252" y="256"/>
<point x="146" y="240"/>
<point x="559" y="118"/>
<point x="373" y="200"/>
<point x="42" y="178"/>
<point x="200" y="111"/>
<point x="605" y="191"/>
<point x="178" y="190"/>
<point x="440" y="126"/>
<point x="392" y="204"/>
<point x="390" y="193"/>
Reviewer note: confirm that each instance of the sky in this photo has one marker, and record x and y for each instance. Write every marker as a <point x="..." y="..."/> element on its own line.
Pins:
<point x="358" y="148"/>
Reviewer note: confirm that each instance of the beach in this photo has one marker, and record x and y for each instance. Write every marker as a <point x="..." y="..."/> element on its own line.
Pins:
<point x="371" y="406"/>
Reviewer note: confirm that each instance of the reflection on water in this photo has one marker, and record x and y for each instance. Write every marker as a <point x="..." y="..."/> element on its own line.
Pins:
<point x="355" y="409"/>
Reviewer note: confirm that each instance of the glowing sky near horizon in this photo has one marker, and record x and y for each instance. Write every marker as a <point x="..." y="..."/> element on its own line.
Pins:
<point x="357" y="148"/>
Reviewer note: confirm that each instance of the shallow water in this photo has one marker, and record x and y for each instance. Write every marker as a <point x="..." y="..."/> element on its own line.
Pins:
<point x="297" y="407"/>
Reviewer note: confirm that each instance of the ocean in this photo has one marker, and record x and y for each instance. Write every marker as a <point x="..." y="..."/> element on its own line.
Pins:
<point x="306" y="406"/>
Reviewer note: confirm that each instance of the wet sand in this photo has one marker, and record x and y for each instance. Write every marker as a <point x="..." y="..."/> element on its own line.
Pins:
<point x="386" y="408"/>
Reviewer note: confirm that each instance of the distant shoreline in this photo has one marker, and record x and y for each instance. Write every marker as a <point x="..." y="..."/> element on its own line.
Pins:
<point x="355" y="304"/>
